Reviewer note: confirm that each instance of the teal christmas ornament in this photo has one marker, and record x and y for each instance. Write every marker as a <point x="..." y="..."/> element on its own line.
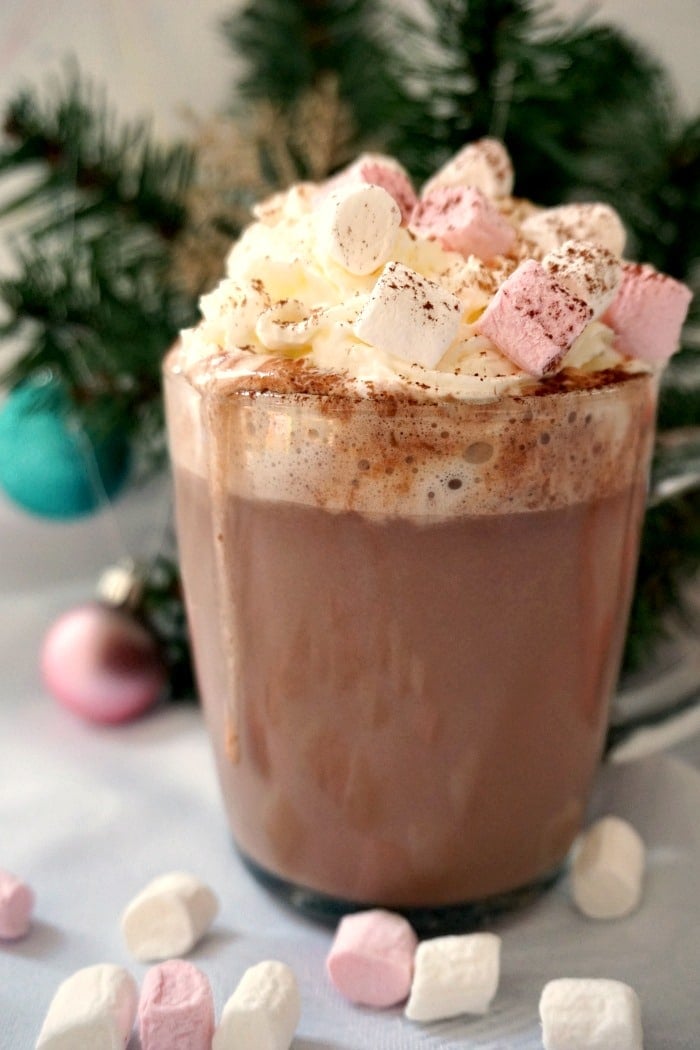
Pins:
<point x="49" y="463"/>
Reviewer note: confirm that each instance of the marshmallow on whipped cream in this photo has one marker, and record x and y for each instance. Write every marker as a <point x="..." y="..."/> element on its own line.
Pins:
<point x="461" y="290"/>
<point x="484" y="164"/>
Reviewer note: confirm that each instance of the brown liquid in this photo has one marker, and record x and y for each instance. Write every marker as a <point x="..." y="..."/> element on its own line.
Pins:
<point x="407" y="712"/>
<point x="407" y="618"/>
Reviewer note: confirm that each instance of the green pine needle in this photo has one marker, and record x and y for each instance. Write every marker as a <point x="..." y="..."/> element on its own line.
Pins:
<point x="289" y="46"/>
<point x="163" y="611"/>
<point x="85" y="163"/>
<point x="98" y="314"/>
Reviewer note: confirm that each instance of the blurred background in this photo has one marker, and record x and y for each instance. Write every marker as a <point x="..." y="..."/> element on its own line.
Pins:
<point x="162" y="56"/>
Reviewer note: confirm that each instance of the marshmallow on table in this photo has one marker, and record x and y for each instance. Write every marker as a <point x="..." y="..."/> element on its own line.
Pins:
<point x="357" y="226"/>
<point x="16" y="907"/>
<point x="176" y="1008"/>
<point x="587" y="270"/>
<point x="607" y="870"/>
<point x="484" y="164"/>
<point x="409" y="316"/>
<point x="464" y="220"/>
<point x="92" y="1010"/>
<point x="582" y="221"/>
<point x="371" y="958"/>
<point x="533" y="320"/>
<point x="168" y="917"/>
<point x="454" y="975"/>
<point x="263" y="1012"/>
<point x="590" y="1014"/>
<point x="647" y="313"/>
<point x="376" y="169"/>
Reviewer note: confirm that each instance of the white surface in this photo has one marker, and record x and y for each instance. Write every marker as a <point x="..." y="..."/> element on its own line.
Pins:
<point x="89" y="815"/>
<point x="53" y="557"/>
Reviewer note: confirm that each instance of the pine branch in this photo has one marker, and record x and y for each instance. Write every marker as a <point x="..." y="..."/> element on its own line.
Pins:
<point x="99" y="315"/>
<point x="510" y="68"/>
<point x="679" y="403"/>
<point x="91" y="297"/>
<point x="86" y="164"/>
<point x="291" y="46"/>
<point x="163" y="611"/>
<point x="267" y="149"/>
<point x="669" y="559"/>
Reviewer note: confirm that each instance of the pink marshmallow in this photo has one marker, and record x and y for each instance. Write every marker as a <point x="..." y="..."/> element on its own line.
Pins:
<point x="647" y="313"/>
<point x="176" y="1008"/>
<point x="371" y="958"/>
<point x="377" y="170"/>
<point x="392" y="179"/>
<point x="464" y="220"/>
<point x="533" y="320"/>
<point x="101" y="664"/>
<point x="16" y="907"/>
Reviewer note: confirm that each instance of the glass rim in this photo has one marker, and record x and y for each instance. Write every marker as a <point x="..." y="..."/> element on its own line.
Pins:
<point x="273" y="386"/>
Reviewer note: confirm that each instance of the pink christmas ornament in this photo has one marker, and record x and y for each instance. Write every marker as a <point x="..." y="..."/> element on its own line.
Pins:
<point x="102" y="664"/>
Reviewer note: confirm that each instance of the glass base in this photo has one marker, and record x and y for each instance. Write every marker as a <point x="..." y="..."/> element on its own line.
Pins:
<point x="427" y="922"/>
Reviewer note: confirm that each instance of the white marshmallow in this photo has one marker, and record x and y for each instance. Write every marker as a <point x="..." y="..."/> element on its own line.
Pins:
<point x="167" y="918"/>
<point x="287" y="325"/>
<point x="607" y="870"/>
<point x="484" y="164"/>
<point x="590" y="1014"/>
<point x="454" y="975"/>
<point x="587" y="270"/>
<point x="375" y="169"/>
<point x="409" y="316"/>
<point x="582" y="221"/>
<point x="357" y="226"/>
<point x="263" y="1012"/>
<point x="95" y="1008"/>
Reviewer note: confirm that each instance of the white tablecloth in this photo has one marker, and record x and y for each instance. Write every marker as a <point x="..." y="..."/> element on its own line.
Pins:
<point x="89" y="815"/>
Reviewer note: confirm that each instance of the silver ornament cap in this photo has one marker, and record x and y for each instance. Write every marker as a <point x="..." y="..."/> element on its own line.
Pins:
<point x="121" y="585"/>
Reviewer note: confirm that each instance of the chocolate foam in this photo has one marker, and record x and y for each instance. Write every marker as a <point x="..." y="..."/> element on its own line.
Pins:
<point x="291" y="433"/>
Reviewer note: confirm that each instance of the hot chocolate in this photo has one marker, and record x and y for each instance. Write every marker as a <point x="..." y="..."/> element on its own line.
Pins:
<point x="407" y="583"/>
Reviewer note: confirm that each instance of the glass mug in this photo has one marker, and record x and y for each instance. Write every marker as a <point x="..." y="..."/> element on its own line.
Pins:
<point x="407" y="621"/>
